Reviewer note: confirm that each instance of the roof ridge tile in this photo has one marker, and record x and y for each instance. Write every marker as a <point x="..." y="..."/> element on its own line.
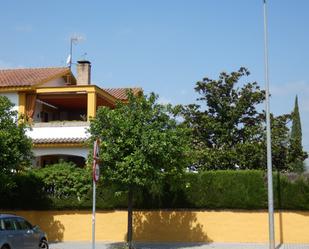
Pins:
<point x="31" y="68"/>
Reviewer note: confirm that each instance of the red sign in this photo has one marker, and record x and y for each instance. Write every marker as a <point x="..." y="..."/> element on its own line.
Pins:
<point x="96" y="167"/>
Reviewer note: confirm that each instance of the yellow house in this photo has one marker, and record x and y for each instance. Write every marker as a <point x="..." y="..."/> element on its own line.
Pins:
<point x="60" y="106"/>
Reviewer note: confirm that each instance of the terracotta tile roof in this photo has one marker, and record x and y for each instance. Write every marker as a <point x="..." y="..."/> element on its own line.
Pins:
<point x="29" y="76"/>
<point x="121" y="93"/>
<point x="59" y="140"/>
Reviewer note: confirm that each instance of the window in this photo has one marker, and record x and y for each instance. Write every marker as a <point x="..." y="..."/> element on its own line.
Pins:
<point x="2" y="227"/>
<point x="24" y="225"/>
<point x="9" y="224"/>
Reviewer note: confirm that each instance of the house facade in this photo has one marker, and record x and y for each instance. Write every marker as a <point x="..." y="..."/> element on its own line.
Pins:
<point x="59" y="107"/>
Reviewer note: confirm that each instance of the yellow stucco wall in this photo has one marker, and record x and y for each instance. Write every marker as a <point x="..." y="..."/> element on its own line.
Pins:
<point x="22" y="103"/>
<point x="91" y="105"/>
<point x="172" y="226"/>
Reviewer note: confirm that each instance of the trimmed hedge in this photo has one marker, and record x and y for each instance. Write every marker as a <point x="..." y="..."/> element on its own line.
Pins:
<point x="227" y="189"/>
<point x="67" y="187"/>
<point x="22" y="191"/>
<point x="291" y="191"/>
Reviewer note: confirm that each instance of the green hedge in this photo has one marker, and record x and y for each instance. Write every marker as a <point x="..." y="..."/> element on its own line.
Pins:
<point x="291" y="191"/>
<point x="65" y="186"/>
<point x="22" y="191"/>
<point x="227" y="189"/>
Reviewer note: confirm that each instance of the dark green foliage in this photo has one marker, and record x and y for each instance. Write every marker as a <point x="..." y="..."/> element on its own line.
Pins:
<point x="7" y="185"/>
<point x="227" y="126"/>
<point x="108" y="196"/>
<point x="279" y="143"/>
<point x="24" y="191"/>
<point x="246" y="190"/>
<point x="227" y="189"/>
<point x="142" y="146"/>
<point x="29" y="193"/>
<point x="229" y="132"/>
<point x="241" y="189"/>
<point x="291" y="191"/>
<point x="64" y="180"/>
<point x="141" y="143"/>
<point x="296" y="133"/>
<point x="170" y="198"/>
<point x="296" y="153"/>
<point x="15" y="146"/>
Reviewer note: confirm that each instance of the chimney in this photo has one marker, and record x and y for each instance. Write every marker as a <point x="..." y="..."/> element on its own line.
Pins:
<point x="83" y="72"/>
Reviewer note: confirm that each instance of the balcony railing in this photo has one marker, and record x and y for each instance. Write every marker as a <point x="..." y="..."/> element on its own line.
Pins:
<point x="59" y="130"/>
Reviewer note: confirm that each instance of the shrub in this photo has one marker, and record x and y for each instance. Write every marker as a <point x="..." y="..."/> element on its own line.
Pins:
<point x="63" y="186"/>
<point x="291" y="191"/>
<point x="108" y="196"/>
<point x="64" y="180"/>
<point x="22" y="191"/>
<point x="243" y="189"/>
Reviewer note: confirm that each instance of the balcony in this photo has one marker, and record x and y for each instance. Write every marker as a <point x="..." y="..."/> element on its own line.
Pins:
<point x="59" y="140"/>
<point x="60" y="107"/>
<point x="59" y="130"/>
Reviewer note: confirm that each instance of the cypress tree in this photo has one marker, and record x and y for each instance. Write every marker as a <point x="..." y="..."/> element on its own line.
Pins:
<point x="297" y="155"/>
<point x="296" y="133"/>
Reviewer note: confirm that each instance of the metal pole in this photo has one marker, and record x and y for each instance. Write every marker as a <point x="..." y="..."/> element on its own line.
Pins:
<point x="268" y="137"/>
<point x="70" y="63"/>
<point x="93" y="214"/>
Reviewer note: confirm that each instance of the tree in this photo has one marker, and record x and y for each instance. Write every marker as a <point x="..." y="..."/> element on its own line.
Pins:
<point x="227" y="128"/>
<point x="296" y="153"/>
<point x="279" y="142"/>
<point x="15" y="146"/>
<point x="141" y="146"/>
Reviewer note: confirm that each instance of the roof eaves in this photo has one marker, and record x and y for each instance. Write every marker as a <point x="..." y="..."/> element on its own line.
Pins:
<point x="110" y="98"/>
<point x="61" y="74"/>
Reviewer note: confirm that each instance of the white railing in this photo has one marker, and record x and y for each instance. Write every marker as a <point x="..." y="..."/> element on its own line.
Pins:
<point x="59" y="129"/>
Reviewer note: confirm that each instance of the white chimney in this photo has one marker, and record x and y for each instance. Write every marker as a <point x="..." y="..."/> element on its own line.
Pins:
<point x="83" y="72"/>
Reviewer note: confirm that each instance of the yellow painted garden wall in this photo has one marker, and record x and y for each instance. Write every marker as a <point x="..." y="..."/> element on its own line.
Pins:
<point x="172" y="226"/>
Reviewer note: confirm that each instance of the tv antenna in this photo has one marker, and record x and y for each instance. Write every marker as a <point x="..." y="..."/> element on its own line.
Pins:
<point x="73" y="40"/>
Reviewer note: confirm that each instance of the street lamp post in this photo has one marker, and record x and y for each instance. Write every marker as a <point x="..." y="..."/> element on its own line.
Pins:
<point x="268" y="138"/>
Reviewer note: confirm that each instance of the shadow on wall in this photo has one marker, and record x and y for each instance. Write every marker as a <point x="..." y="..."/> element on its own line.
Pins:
<point x="167" y="226"/>
<point x="47" y="222"/>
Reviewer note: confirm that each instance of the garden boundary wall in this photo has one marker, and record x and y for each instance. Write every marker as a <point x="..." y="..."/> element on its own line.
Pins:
<point x="172" y="226"/>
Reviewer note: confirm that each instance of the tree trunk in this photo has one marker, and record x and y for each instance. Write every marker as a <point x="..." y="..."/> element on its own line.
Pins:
<point x="130" y="214"/>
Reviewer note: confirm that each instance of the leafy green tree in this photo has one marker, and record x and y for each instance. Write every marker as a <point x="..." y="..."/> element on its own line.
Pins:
<point x="296" y="153"/>
<point x="229" y="132"/>
<point x="227" y="127"/>
<point x="15" y="146"/>
<point x="279" y="142"/>
<point x="141" y="146"/>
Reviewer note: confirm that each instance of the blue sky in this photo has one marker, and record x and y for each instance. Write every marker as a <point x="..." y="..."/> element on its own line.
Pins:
<point x="166" y="46"/>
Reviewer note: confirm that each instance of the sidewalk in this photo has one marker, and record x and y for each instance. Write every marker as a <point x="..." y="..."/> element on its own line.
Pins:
<point x="101" y="245"/>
